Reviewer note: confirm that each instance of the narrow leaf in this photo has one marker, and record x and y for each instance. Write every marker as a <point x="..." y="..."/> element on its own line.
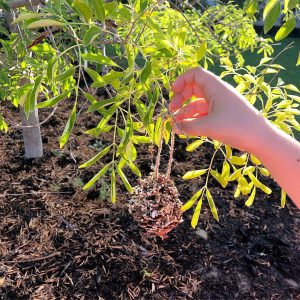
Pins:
<point x="95" y="158"/>
<point x="68" y="128"/>
<point x="191" y="202"/>
<point x="212" y="205"/>
<point x="285" y="29"/>
<point x="98" y="58"/>
<point x="283" y="198"/>
<point x="96" y="177"/>
<point x="91" y="34"/>
<point x="250" y="200"/>
<point x="196" y="214"/>
<point x="44" y="23"/>
<point x="65" y="75"/>
<point x="53" y="101"/>
<point x="194" y="145"/>
<point x="99" y="10"/>
<point x="125" y="180"/>
<point x="194" y="174"/>
<point x="146" y="71"/>
<point x="113" y="187"/>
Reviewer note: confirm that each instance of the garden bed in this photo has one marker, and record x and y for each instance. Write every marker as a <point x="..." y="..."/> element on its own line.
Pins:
<point x="58" y="242"/>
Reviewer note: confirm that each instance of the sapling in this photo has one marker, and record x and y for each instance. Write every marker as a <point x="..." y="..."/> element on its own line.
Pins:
<point x="155" y="203"/>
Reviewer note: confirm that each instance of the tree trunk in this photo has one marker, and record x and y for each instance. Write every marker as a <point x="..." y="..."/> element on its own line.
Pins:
<point x="31" y="135"/>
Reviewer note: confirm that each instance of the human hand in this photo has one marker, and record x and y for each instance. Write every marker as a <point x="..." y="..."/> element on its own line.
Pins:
<point x="220" y="112"/>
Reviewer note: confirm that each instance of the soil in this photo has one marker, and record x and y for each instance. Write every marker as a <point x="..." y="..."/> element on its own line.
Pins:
<point x="59" y="242"/>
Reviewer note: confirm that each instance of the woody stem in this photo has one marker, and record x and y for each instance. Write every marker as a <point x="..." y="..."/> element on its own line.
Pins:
<point x="171" y="154"/>
<point x="157" y="163"/>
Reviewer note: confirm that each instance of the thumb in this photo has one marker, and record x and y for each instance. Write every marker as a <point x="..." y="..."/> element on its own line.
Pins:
<point x="193" y="127"/>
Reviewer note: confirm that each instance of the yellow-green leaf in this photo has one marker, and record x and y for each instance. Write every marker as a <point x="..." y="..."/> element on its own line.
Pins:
<point x="83" y="9"/>
<point x="27" y="16"/>
<point x="255" y="160"/>
<point x="283" y="198"/>
<point x="271" y="13"/>
<point x="250" y="200"/>
<point x="68" y="128"/>
<point x="53" y="101"/>
<point x="91" y="34"/>
<point x="201" y="51"/>
<point x="96" y="177"/>
<point x="239" y="160"/>
<point x="285" y="29"/>
<point x="125" y="180"/>
<point x="196" y="214"/>
<point x="95" y="158"/>
<point x="194" y="174"/>
<point x="99" y="9"/>
<point x="212" y="205"/>
<point x="191" y="202"/>
<point x="219" y="178"/>
<point x="44" y="23"/>
<point x="194" y="145"/>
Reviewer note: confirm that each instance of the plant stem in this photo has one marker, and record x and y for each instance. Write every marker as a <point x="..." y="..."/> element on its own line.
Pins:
<point x="157" y="163"/>
<point x="171" y="154"/>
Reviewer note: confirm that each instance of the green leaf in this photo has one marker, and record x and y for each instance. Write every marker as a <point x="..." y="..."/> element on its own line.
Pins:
<point x="68" y="128"/>
<point x="27" y="16"/>
<point x="285" y="29"/>
<point x="44" y="23"/>
<point x="134" y="168"/>
<point x="99" y="9"/>
<point x="194" y="174"/>
<point x="196" y="214"/>
<point x="283" y="198"/>
<point x="298" y="60"/>
<point x="291" y="87"/>
<point x="194" y="145"/>
<point x="113" y="187"/>
<point x="65" y="75"/>
<point x="98" y="58"/>
<point x="250" y="200"/>
<point x="101" y="103"/>
<point x="96" y="177"/>
<point x="125" y="180"/>
<point x="212" y="205"/>
<point x="52" y="66"/>
<point x="146" y="71"/>
<point x="96" y="77"/>
<point x="219" y="178"/>
<point x="32" y="96"/>
<point x="53" y="101"/>
<point x="107" y="115"/>
<point x="91" y="34"/>
<point x="83" y="9"/>
<point x="271" y="13"/>
<point x="250" y="6"/>
<point x="95" y="158"/>
<point x="191" y="202"/>
<point x="239" y="160"/>
<point x="201" y="51"/>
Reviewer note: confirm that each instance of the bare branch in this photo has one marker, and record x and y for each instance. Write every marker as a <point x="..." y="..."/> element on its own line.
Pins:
<point x="24" y="3"/>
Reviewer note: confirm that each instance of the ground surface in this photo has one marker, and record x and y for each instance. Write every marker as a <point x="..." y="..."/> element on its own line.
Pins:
<point x="58" y="242"/>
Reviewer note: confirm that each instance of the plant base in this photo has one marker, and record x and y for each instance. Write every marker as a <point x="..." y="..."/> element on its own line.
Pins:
<point x="155" y="205"/>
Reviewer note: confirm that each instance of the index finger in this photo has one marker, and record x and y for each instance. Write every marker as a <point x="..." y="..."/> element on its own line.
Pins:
<point x="187" y="78"/>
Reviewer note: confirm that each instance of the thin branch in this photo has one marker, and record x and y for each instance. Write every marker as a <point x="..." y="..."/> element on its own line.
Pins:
<point x="23" y="3"/>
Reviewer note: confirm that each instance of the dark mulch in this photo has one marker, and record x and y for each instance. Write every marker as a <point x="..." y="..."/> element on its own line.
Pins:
<point x="58" y="242"/>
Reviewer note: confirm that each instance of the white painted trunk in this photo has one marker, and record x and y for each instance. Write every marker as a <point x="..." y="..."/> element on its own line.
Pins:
<point x="31" y="135"/>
